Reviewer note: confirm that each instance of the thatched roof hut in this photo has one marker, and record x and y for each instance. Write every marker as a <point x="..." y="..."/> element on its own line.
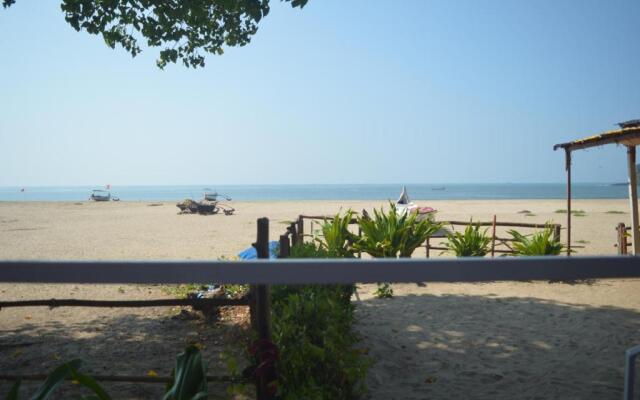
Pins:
<point x="629" y="136"/>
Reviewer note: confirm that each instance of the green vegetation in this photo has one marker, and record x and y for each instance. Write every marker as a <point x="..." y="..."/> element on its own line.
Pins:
<point x="541" y="243"/>
<point x="182" y="291"/>
<point x="184" y="29"/>
<point x="313" y="329"/>
<point x="575" y="213"/>
<point x="471" y="243"/>
<point x="337" y="241"/>
<point x="389" y="235"/>
<point x="583" y="241"/>
<point x="530" y="215"/>
<point x="615" y="212"/>
<point x="189" y="380"/>
<point x="392" y="235"/>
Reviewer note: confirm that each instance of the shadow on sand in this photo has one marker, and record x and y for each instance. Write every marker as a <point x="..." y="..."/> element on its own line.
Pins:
<point x="484" y="347"/>
<point x="112" y="344"/>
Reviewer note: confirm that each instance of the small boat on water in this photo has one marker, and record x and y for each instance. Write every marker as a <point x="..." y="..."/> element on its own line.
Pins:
<point x="405" y="205"/>
<point x="213" y="196"/>
<point x="100" y="195"/>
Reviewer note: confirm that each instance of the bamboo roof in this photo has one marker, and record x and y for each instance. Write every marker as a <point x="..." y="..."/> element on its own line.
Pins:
<point x="629" y="136"/>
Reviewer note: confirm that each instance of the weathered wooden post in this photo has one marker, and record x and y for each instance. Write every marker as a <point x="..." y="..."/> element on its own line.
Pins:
<point x="261" y="303"/>
<point x="294" y="234"/>
<point x="493" y="237"/>
<point x="285" y="247"/>
<point x="301" y="229"/>
<point x="633" y="198"/>
<point x="622" y="238"/>
<point x="556" y="232"/>
<point x="426" y="246"/>
<point x="567" y="153"/>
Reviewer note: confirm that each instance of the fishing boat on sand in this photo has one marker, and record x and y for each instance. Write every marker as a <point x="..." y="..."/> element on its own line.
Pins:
<point x="405" y="205"/>
<point x="100" y="195"/>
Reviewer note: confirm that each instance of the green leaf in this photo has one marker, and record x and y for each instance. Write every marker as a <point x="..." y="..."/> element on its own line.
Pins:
<point x="55" y="378"/>
<point x="90" y="383"/>
<point x="189" y="380"/>
<point x="13" y="393"/>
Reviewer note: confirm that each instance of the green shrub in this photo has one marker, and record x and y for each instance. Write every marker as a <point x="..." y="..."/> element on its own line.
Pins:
<point x="471" y="243"/>
<point x="541" y="243"/>
<point x="337" y="241"/>
<point x="312" y="327"/>
<point x="392" y="235"/>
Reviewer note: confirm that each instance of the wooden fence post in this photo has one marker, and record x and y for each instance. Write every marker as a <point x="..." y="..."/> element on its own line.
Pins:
<point x="294" y="234"/>
<point x="285" y="247"/>
<point x="493" y="237"/>
<point x="427" y="246"/>
<point x="622" y="238"/>
<point x="556" y="232"/>
<point x="261" y="304"/>
<point x="301" y="229"/>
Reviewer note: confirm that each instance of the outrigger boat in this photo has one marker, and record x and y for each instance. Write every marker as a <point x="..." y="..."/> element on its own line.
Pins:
<point x="100" y="195"/>
<point x="405" y="205"/>
<point x="213" y="196"/>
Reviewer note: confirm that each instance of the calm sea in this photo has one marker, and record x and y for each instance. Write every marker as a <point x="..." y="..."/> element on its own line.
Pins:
<point x="325" y="192"/>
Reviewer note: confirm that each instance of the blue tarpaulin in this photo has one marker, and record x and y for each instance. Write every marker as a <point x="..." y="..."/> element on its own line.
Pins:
<point x="252" y="254"/>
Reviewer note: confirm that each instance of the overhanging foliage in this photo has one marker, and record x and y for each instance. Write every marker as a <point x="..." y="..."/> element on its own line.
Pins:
<point x="184" y="30"/>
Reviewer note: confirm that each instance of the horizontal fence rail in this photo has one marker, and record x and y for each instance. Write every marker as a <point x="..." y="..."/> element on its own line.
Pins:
<point x="53" y="303"/>
<point x="302" y="271"/>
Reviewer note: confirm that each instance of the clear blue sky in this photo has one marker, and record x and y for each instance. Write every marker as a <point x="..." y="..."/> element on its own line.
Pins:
<point x="350" y="91"/>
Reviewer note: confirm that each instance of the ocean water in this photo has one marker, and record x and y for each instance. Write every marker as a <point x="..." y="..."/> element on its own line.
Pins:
<point x="326" y="192"/>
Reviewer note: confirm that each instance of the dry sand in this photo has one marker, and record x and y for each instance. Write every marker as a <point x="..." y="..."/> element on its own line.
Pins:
<point x="496" y="341"/>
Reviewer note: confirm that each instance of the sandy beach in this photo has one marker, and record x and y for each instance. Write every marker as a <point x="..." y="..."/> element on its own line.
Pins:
<point x="502" y="340"/>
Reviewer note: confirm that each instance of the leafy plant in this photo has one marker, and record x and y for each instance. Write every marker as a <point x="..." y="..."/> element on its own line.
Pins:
<point x="189" y="377"/>
<point x="615" y="212"/>
<point x="337" y="241"/>
<point x="541" y="243"/>
<point x="471" y="243"/>
<point x="384" y="291"/>
<point x="392" y="234"/>
<point x="313" y="330"/>
<point x="68" y="370"/>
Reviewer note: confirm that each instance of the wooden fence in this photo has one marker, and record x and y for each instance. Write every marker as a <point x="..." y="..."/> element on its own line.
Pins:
<point x="257" y="299"/>
<point x="499" y="245"/>
<point x="622" y="234"/>
<point x="262" y="272"/>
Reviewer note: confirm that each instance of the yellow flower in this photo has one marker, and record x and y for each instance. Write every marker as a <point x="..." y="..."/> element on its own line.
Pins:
<point x="152" y="373"/>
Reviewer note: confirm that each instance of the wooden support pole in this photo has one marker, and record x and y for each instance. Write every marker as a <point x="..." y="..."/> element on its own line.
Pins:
<point x="622" y="238"/>
<point x="285" y="247"/>
<point x="262" y="303"/>
<point x="294" y="234"/>
<point x="567" y="153"/>
<point x="556" y="232"/>
<point x="493" y="237"/>
<point x="633" y="198"/>
<point x="301" y="229"/>
<point x="427" y="246"/>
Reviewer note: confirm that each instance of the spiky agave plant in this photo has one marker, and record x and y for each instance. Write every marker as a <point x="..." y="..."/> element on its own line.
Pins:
<point x="541" y="243"/>
<point x="470" y="243"/>
<point x="337" y="241"/>
<point x="392" y="235"/>
<point x="389" y="235"/>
